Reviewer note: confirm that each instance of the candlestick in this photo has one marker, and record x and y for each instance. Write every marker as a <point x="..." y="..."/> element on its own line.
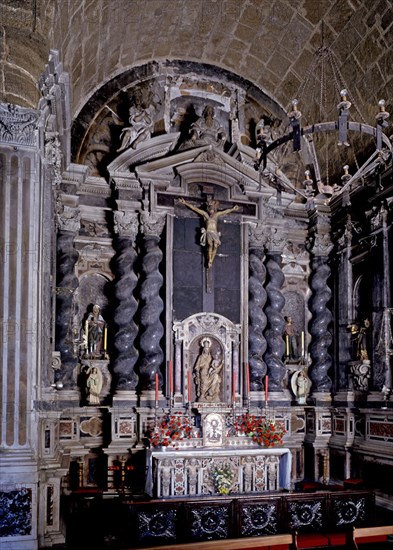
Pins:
<point x="170" y="378"/>
<point x="156" y="387"/>
<point x="287" y="346"/>
<point x="233" y="387"/>
<point x="266" y="387"/>
<point x="189" y="386"/>
<point x="248" y="379"/>
<point x="105" y="338"/>
<point x="87" y="335"/>
<point x="302" y="344"/>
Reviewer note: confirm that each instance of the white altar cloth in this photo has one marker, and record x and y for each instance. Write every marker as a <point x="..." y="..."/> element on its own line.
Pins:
<point x="184" y="472"/>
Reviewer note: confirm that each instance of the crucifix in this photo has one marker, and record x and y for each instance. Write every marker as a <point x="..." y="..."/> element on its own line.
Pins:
<point x="210" y="236"/>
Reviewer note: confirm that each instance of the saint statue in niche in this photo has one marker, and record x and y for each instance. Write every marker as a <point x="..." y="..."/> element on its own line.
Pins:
<point x="210" y="236"/>
<point x="206" y="131"/>
<point x="95" y="334"/>
<point x="207" y="373"/>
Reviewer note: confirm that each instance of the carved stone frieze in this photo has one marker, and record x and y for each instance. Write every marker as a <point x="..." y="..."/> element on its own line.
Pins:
<point x="18" y="125"/>
<point x="126" y="224"/>
<point x="53" y="157"/>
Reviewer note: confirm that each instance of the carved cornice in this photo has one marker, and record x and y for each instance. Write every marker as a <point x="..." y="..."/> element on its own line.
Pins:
<point x="126" y="224"/>
<point x="18" y="125"/>
<point x="152" y="224"/>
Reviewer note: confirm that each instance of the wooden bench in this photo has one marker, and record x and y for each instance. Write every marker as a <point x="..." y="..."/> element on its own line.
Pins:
<point x="278" y="542"/>
<point x="365" y="535"/>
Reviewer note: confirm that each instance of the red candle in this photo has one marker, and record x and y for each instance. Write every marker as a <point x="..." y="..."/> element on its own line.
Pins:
<point x="156" y="386"/>
<point x="266" y="387"/>
<point x="248" y="378"/>
<point x="234" y="387"/>
<point x="189" y="385"/>
<point x="170" y="378"/>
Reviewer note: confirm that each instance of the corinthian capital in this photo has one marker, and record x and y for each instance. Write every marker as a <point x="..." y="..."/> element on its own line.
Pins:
<point x="319" y="244"/>
<point x="258" y="235"/>
<point x="275" y="241"/>
<point x="67" y="217"/>
<point x="152" y="224"/>
<point x="126" y="224"/>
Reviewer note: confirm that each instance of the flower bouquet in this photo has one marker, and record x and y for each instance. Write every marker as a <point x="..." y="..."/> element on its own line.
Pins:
<point x="223" y="478"/>
<point x="173" y="427"/>
<point x="265" y="431"/>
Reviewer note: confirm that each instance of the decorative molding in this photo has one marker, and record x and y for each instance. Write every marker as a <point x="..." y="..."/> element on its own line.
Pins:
<point x="18" y="125"/>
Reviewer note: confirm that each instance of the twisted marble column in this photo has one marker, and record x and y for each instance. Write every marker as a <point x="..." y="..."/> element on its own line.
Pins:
<point x="153" y="355"/>
<point x="257" y="318"/>
<point x="319" y="326"/>
<point x="276" y="323"/>
<point x="68" y="222"/>
<point x="126" y="355"/>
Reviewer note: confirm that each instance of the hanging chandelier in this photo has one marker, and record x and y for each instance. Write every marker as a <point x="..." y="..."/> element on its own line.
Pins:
<point x="323" y="139"/>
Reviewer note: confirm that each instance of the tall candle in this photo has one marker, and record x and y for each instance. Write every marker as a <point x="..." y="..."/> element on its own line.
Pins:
<point x="189" y="386"/>
<point x="105" y="338"/>
<point x="233" y="387"/>
<point x="170" y="378"/>
<point x="248" y="379"/>
<point x="302" y="344"/>
<point x="156" y="386"/>
<point x="287" y="346"/>
<point x="266" y="387"/>
<point x="87" y="332"/>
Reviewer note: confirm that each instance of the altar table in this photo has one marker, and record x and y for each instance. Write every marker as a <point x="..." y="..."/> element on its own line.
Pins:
<point x="187" y="472"/>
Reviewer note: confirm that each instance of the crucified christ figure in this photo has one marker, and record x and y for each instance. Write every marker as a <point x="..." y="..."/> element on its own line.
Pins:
<point x="210" y="235"/>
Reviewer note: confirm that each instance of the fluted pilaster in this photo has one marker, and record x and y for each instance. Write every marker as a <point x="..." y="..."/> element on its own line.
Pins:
<point x="257" y="299"/>
<point x="126" y="355"/>
<point x="153" y="355"/>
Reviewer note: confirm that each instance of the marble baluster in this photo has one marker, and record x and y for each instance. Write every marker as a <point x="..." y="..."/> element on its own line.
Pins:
<point x="126" y="228"/>
<point x="153" y="330"/>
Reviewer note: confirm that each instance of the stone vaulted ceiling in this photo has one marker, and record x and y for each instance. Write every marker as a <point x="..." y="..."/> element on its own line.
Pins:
<point x="270" y="43"/>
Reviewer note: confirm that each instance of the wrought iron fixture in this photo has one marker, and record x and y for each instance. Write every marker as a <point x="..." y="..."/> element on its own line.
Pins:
<point x="314" y="141"/>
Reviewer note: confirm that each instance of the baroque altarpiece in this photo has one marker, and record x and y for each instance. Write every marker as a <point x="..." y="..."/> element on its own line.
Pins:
<point x="179" y="275"/>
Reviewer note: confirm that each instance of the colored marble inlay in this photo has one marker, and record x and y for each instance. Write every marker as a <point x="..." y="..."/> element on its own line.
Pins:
<point x="15" y="513"/>
<point x="380" y="429"/>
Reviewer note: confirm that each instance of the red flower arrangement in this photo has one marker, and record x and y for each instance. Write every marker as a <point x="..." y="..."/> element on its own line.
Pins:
<point x="264" y="431"/>
<point x="173" y="427"/>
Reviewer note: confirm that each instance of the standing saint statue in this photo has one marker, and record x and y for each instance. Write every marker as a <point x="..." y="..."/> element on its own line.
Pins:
<point x="201" y="369"/>
<point x="95" y="328"/>
<point x="94" y="385"/>
<point x="210" y="235"/>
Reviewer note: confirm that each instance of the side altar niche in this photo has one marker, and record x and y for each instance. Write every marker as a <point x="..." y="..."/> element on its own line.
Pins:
<point x="213" y="455"/>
